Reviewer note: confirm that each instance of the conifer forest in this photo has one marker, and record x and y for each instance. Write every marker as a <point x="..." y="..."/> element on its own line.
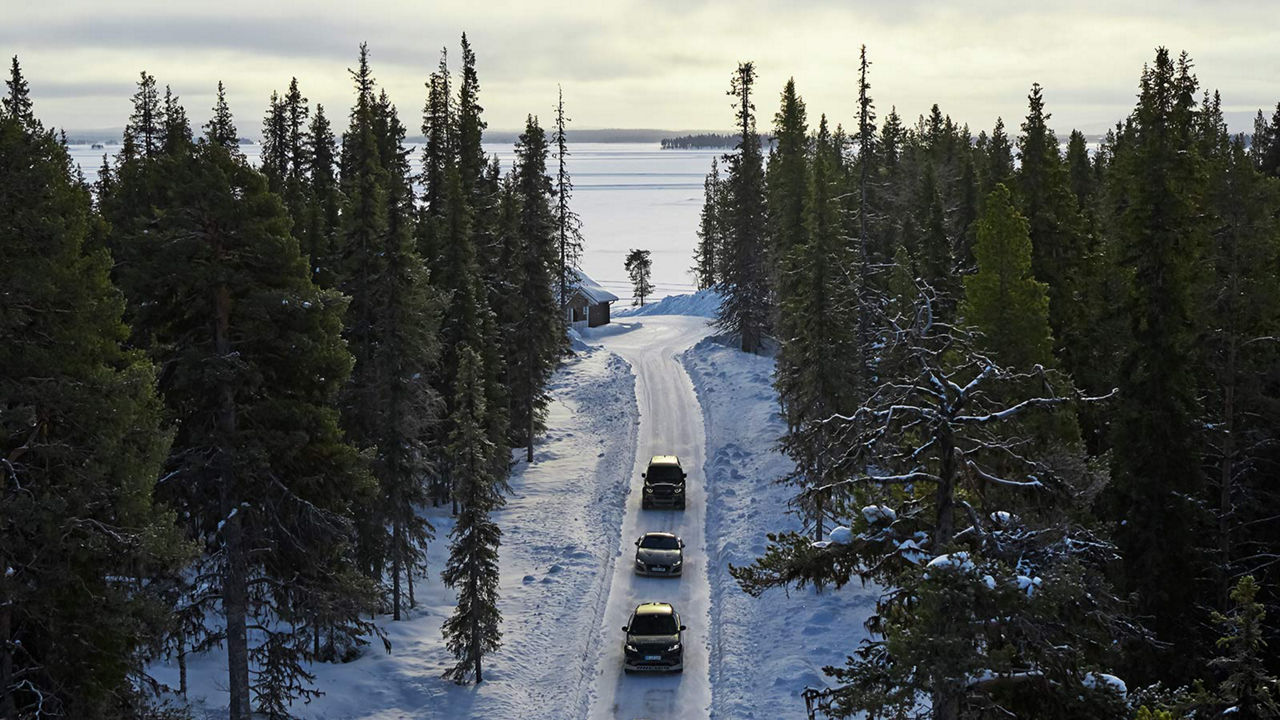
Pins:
<point x="1026" y="386"/>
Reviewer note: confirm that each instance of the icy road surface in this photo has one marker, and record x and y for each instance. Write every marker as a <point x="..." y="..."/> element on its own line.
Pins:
<point x="670" y="423"/>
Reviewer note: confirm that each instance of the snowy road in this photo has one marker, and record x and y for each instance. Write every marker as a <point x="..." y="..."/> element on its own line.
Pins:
<point x="670" y="423"/>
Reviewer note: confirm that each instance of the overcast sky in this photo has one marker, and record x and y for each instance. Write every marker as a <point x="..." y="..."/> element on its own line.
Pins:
<point x="644" y="63"/>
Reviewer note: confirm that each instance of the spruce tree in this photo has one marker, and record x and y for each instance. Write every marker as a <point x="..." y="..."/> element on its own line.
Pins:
<point x="221" y="128"/>
<point x="1156" y="449"/>
<point x="392" y="322"/>
<point x="260" y="472"/>
<point x="745" y="309"/>
<point x="819" y="358"/>
<point x="473" y="630"/>
<point x="1002" y="300"/>
<point x="144" y="133"/>
<point x="536" y="337"/>
<point x="1057" y="230"/>
<point x="710" y="234"/>
<point x="318" y="235"/>
<point x="1247" y="690"/>
<point x="639" y="268"/>
<point x="787" y="187"/>
<point x="568" y="224"/>
<point x="177" y="129"/>
<point x="83" y="439"/>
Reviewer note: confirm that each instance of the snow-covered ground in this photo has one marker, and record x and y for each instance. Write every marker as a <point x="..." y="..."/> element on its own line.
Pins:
<point x="764" y="650"/>
<point x="704" y="303"/>
<point x="640" y="386"/>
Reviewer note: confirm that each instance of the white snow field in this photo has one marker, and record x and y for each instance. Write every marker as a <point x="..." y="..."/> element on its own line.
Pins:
<point x="670" y="424"/>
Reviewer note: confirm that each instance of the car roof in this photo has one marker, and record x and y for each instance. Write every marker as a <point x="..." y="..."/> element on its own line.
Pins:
<point x="654" y="608"/>
<point x="660" y="534"/>
<point x="664" y="460"/>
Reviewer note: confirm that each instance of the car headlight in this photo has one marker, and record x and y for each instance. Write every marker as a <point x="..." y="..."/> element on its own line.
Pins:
<point x="639" y="563"/>
<point x="632" y="648"/>
<point x="679" y="490"/>
<point x="648" y="489"/>
<point x="674" y="648"/>
<point x="677" y="563"/>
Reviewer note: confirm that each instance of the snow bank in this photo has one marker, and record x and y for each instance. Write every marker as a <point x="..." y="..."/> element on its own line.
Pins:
<point x="764" y="651"/>
<point x="704" y="303"/>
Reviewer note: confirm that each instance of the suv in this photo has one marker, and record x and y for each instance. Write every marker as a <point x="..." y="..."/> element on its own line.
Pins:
<point x="659" y="553"/>
<point x="653" y="640"/>
<point x="663" y="483"/>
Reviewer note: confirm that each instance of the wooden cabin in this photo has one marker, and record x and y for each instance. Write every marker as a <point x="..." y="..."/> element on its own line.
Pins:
<point x="588" y="304"/>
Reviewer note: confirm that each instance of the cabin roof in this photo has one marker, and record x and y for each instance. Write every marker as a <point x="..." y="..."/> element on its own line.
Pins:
<point x="591" y="291"/>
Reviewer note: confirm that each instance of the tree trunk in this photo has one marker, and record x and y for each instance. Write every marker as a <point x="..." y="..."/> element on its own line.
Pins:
<point x="182" y="665"/>
<point x="532" y="412"/>
<point x="409" y="577"/>
<point x="234" y="582"/>
<point x="475" y="644"/>
<point x="1226" y="482"/>
<point x="946" y="705"/>
<point x="945" y="528"/>
<point x="395" y="570"/>
<point x="8" y="709"/>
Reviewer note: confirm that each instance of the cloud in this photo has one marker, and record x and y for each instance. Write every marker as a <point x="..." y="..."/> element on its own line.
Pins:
<point x="651" y="63"/>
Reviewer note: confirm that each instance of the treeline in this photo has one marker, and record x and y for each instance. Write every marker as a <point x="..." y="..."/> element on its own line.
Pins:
<point x="1038" y="398"/>
<point x="700" y="142"/>
<point x="228" y="393"/>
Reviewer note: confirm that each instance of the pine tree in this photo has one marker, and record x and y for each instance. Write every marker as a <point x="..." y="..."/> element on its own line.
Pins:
<point x="82" y="441"/>
<point x="1002" y="300"/>
<point x="745" y="309"/>
<point x="473" y="630"/>
<point x="705" y="269"/>
<point x="1080" y="171"/>
<point x="1156" y="452"/>
<point x="1247" y="691"/>
<point x="221" y="128"/>
<point x="952" y="530"/>
<point x="318" y="234"/>
<point x="818" y="361"/>
<point x="536" y="338"/>
<point x="787" y="186"/>
<point x="1055" y="225"/>
<point x="389" y="405"/>
<point x="568" y="224"/>
<point x="17" y="100"/>
<point x="639" y="268"/>
<point x="177" y="129"/>
<point x="259" y="472"/>
<point x="275" y="153"/>
<point x="1269" y="157"/>
<point x="144" y="133"/>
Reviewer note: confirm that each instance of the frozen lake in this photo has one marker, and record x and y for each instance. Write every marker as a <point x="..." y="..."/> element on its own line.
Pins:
<point x="629" y="195"/>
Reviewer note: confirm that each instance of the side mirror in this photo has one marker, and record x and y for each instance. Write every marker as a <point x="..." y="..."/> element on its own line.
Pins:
<point x="643" y="474"/>
<point x="683" y="474"/>
<point x="681" y="543"/>
<point x="682" y="627"/>
<point x="637" y="543"/>
<point x="624" y="628"/>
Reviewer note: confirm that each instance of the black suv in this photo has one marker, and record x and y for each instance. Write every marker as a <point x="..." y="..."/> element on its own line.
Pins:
<point x="663" y="483"/>
<point x="653" y="641"/>
<point x="659" y="553"/>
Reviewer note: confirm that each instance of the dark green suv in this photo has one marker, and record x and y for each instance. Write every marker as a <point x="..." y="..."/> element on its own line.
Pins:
<point x="654" y="640"/>
<point x="663" y="483"/>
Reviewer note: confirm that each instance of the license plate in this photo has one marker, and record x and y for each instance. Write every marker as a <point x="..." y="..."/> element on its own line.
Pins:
<point x="652" y="657"/>
<point x="657" y="569"/>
